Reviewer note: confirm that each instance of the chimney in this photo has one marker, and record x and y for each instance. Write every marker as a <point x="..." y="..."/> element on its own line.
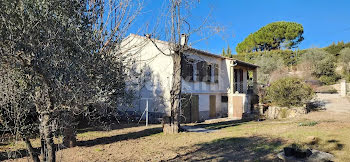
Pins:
<point x="148" y="36"/>
<point x="184" y="39"/>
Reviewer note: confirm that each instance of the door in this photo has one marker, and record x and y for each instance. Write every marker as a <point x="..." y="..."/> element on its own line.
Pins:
<point x="185" y="108"/>
<point x="194" y="108"/>
<point x="212" y="103"/>
<point x="189" y="108"/>
<point x="237" y="107"/>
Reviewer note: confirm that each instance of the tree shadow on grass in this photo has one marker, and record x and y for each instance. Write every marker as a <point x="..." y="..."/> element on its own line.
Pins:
<point x="16" y="154"/>
<point x="235" y="149"/>
<point x="89" y="143"/>
<point x="121" y="137"/>
<point x="83" y="129"/>
<point x="224" y="124"/>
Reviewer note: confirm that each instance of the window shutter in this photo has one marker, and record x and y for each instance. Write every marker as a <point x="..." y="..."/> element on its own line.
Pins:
<point x="183" y="68"/>
<point x="190" y="71"/>
<point x="201" y="70"/>
<point x="216" y="73"/>
<point x="187" y="69"/>
<point x="208" y="76"/>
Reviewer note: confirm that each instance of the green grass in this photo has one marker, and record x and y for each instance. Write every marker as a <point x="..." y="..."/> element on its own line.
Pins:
<point x="311" y="123"/>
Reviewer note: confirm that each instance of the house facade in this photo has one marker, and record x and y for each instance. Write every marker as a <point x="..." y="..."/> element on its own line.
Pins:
<point x="212" y="86"/>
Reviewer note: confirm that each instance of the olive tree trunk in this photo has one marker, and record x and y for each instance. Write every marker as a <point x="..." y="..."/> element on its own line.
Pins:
<point x="69" y="130"/>
<point x="31" y="150"/>
<point x="49" y="147"/>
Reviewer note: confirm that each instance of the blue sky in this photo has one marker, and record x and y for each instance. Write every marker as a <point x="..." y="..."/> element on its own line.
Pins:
<point x="324" y="21"/>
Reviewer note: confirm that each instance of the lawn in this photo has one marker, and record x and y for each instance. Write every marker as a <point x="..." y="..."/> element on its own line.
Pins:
<point x="232" y="140"/>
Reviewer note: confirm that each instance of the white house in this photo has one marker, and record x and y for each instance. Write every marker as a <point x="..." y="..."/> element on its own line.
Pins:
<point x="212" y="86"/>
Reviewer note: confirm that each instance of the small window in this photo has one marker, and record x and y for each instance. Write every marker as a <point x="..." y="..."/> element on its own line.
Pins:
<point x="224" y="99"/>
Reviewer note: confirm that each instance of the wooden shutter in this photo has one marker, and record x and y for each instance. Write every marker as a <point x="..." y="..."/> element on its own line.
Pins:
<point x="208" y="76"/>
<point x="212" y="106"/>
<point x="216" y="73"/>
<point x="195" y="108"/>
<point x="190" y="70"/>
<point x="187" y="69"/>
<point x="183" y="68"/>
<point x="185" y="108"/>
<point x="201" y="70"/>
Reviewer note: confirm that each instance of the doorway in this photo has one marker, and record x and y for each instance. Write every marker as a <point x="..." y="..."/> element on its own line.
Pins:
<point x="189" y="108"/>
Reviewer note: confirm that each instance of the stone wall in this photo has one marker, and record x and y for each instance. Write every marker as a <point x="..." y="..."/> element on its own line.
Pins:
<point x="274" y="112"/>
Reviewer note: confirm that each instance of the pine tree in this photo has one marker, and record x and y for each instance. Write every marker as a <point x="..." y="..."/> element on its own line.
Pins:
<point x="228" y="51"/>
<point x="223" y="53"/>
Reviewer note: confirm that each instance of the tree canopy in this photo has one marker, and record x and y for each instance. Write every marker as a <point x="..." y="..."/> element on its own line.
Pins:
<point x="61" y="57"/>
<point x="275" y="35"/>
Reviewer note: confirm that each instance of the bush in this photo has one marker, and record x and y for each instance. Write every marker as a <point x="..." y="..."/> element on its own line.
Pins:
<point x="322" y="65"/>
<point x="334" y="48"/>
<point x="288" y="92"/>
<point x="344" y="60"/>
<point x="329" y="80"/>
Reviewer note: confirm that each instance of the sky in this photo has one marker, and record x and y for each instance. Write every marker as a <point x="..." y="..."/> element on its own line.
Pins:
<point x="324" y="21"/>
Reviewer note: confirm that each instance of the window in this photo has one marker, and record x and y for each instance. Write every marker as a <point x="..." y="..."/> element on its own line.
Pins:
<point x="207" y="72"/>
<point x="187" y="69"/>
<point x="224" y="99"/>
<point x="208" y="77"/>
<point x="201" y="71"/>
<point x="216" y="73"/>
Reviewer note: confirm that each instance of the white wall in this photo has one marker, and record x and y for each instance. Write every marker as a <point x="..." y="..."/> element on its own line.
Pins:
<point x="156" y="69"/>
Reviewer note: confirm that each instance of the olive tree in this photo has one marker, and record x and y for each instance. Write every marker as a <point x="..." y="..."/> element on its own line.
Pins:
<point x="72" y="50"/>
<point x="344" y="60"/>
<point x="268" y="64"/>
<point x="17" y="109"/>
<point x="322" y="65"/>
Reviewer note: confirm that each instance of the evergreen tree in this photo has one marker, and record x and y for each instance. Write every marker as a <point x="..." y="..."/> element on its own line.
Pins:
<point x="273" y="36"/>
<point x="229" y="52"/>
<point x="223" y="53"/>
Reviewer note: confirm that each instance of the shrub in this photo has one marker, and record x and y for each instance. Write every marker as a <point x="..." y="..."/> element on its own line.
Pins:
<point x="344" y="60"/>
<point x="329" y="80"/>
<point x="334" y="48"/>
<point x="288" y="92"/>
<point x="322" y="65"/>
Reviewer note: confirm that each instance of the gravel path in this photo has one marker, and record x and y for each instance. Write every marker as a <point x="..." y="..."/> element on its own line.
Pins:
<point x="334" y="103"/>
